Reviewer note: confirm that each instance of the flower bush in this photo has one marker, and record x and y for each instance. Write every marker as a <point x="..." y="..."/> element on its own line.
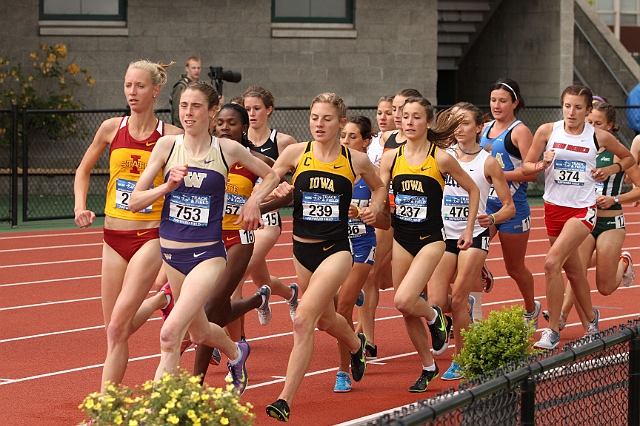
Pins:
<point x="176" y="399"/>
<point x="48" y="84"/>
<point x="492" y="343"/>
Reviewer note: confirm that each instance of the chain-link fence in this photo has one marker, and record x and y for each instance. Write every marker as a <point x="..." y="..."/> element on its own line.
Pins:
<point x="55" y="141"/>
<point x="593" y="381"/>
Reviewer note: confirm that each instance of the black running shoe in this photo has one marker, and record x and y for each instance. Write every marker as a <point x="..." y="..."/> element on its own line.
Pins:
<point x="371" y="351"/>
<point x="423" y="381"/>
<point x="449" y="322"/>
<point x="358" y="360"/>
<point x="279" y="410"/>
<point x="439" y="333"/>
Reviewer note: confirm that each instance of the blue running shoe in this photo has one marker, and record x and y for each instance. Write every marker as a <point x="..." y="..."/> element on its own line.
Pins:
<point x="472" y="302"/>
<point x="360" y="300"/>
<point x="343" y="382"/>
<point x="453" y="373"/>
<point x="238" y="369"/>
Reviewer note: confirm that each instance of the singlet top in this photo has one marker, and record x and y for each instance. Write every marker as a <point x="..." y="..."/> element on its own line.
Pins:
<point x="455" y="202"/>
<point x="128" y="158"/>
<point x="568" y="180"/>
<point x="240" y="183"/>
<point x="321" y="196"/>
<point x="392" y="143"/>
<point x="360" y="199"/>
<point x="270" y="147"/>
<point x="509" y="158"/>
<point x="613" y="185"/>
<point x="417" y="192"/>
<point x="193" y="211"/>
<point x="375" y="150"/>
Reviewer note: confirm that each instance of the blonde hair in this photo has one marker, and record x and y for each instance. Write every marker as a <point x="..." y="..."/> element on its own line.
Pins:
<point x="335" y="100"/>
<point x="157" y="71"/>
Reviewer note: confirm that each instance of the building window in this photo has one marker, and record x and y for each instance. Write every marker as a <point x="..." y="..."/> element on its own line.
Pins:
<point x="85" y="10"/>
<point x="627" y="11"/>
<point x="312" y="11"/>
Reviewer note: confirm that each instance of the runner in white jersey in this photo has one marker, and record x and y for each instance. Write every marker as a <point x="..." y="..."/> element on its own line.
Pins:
<point x="570" y="147"/>
<point x="465" y="265"/>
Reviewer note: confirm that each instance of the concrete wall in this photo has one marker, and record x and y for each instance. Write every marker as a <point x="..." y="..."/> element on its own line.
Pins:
<point x="395" y="48"/>
<point x="530" y="42"/>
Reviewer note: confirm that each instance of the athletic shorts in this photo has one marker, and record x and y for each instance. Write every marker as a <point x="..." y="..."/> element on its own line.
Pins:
<point x="238" y="236"/>
<point x="364" y="248"/>
<point x="556" y="216"/>
<point x="185" y="259"/>
<point x="608" y="223"/>
<point x="480" y="242"/>
<point x="518" y="224"/>
<point x="127" y="243"/>
<point x="311" y="255"/>
<point x="272" y="219"/>
<point x="414" y="247"/>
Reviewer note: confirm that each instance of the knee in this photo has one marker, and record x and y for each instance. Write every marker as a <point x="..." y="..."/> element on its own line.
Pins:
<point x="303" y="324"/>
<point x="459" y="303"/>
<point x="551" y="266"/>
<point x="118" y="331"/>
<point x="170" y="337"/>
<point x="403" y="304"/>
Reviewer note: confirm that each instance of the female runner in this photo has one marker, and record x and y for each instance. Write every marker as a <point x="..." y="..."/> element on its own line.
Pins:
<point x="465" y="265"/>
<point x="131" y="251"/>
<point x="570" y="149"/>
<point x="195" y="171"/>
<point x="417" y="171"/>
<point x="324" y="172"/>
<point x="509" y="139"/>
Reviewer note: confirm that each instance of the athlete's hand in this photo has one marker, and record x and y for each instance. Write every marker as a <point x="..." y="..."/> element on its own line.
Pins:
<point x="602" y="174"/>
<point x="282" y="190"/>
<point x="465" y="240"/>
<point x="484" y="220"/>
<point x="604" y="201"/>
<point x="354" y="211"/>
<point x="176" y="175"/>
<point x="250" y="217"/>
<point x="547" y="158"/>
<point x="84" y="218"/>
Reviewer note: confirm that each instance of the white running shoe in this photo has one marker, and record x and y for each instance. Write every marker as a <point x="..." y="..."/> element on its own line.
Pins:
<point x="264" y="311"/>
<point x="629" y="273"/>
<point x="549" y="340"/>
<point x="531" y="318"/>
<point x="293" y="302"/>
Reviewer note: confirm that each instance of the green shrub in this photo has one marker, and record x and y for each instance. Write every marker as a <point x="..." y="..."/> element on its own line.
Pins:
<point x="502" y="338"/>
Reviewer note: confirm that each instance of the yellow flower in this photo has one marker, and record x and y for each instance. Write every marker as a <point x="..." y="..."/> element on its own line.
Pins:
<point x="33" y="56"/>
<point x="73" y="69"/>
<point x="170" y="404"/>
<point x="51" y="58"/>
<point x="224" y="421"/>
<point x="89" y="403"/>
<point x="43" y="47"/>
<point x="194" y="379"/>
<point x="148" y="384"/>
<point x="191" y="414"/>
<point x="220" y="411"/>
<point x="163" y="411"/>
<point x="173" y="419"/>
<point x="118" y="420"/>
<point x="133" y="422"/>
<point x="60" y="49"/>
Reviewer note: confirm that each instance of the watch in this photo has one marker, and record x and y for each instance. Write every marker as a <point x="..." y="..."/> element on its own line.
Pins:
<point x="616" y="200"/>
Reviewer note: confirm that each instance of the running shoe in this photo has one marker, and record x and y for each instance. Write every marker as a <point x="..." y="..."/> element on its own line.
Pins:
<point x="439" y="332"/>
<point x="629" y="273"/>
<point x="424" y="296"/>
<point x="449" y="333"/>
<point x="343" y="382"/>
<point x="549" y="340"/>
<point x="238" y="368"/>
<point x="216" y="357"/>
<point x="531" y="318"/>
<point x="562" y="322"/>
<point x="360" y="300"/>
<point x="487" y="279"/>
<point x="454" y="372"/>
<point x="279" y="410"/>
<point x="371" y="352"/>
<point x="358" y="360"/>
<point x="592" y="326"/>
<point x="264" y="310"/>
<point x="472" y="303"/>
<point x="293" y="302"/>
<point x="166" y="289"/>
<point x="186" y="345"/>
<point x="423" y="381"/>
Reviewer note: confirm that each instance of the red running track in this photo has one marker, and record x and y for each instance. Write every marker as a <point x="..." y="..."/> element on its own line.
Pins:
<point x="52" y="341"/>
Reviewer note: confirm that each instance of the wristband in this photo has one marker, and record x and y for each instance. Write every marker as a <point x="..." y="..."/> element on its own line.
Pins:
<point x="492" y="219"/>
<point x="619" y="165"/>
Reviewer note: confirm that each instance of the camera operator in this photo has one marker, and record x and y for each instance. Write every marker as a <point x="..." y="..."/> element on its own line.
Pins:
<point x="193" y="68"/>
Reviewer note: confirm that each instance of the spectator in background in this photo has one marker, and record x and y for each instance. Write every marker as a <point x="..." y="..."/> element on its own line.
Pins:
<point x="193" y="68"/>
<point x="633" y="114"/>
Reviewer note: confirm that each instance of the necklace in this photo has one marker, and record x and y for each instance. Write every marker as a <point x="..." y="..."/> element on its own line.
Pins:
<point x="469" y="153"/>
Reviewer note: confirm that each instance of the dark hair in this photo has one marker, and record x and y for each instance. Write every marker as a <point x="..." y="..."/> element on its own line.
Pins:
<point x="578" y="90"/>
<point x="513" y="88"/>
<point x="476" y="113"/>
<point x="609" y="113"/>
<point x="244" y="118"/>
<point x="363" y="123"/>
<point x="263" y="94"/>
<point x="208" y="90"/>
<point x="442" y="131"/>
<point x="409" y="93"/>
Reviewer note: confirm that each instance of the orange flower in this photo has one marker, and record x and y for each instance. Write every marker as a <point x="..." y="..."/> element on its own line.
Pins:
<point x="73" y="69"/>
<point x="60" y="49"/>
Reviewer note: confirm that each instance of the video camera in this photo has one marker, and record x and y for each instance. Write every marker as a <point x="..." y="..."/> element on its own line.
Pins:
<point x="218" y="75"/>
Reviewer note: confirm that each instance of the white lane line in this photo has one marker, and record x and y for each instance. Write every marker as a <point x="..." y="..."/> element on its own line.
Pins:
<point x="50" y="247"/>
<point x="55" y="280"/>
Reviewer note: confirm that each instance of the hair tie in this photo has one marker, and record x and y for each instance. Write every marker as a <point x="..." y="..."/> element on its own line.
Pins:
<point x="511" y="89"/>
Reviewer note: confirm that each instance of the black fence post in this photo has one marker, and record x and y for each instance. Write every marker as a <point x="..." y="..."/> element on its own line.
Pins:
<point x="25" y="164"/>
<point x="528" y="402"/>
<point x="634" y="381"/>
<point x="14" y="166"/>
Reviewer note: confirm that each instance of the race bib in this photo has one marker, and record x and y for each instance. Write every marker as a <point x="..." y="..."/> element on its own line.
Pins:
<point x="456" y="208"/>
<point x="270" y="219"/>
<point x="234" y="204"/>
<point x="247" y="237"/>
<point x="599" y="188"/>
<point x="567" y="172"/>
<point x="124" y="188"/>
<point x="320" y="207"/>
<point x="411" y="208"/>
<point x="189" y="209"/>
<point x="492" y="194"/>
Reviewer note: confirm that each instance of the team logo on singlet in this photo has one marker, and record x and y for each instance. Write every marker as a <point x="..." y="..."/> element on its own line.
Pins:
<point x="194" y="179"/>
<point x="135" y="165"/>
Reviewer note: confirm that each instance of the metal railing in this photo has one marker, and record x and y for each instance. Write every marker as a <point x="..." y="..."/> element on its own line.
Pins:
<point x="592" y="381"/>
<point x="37" y="171"/>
